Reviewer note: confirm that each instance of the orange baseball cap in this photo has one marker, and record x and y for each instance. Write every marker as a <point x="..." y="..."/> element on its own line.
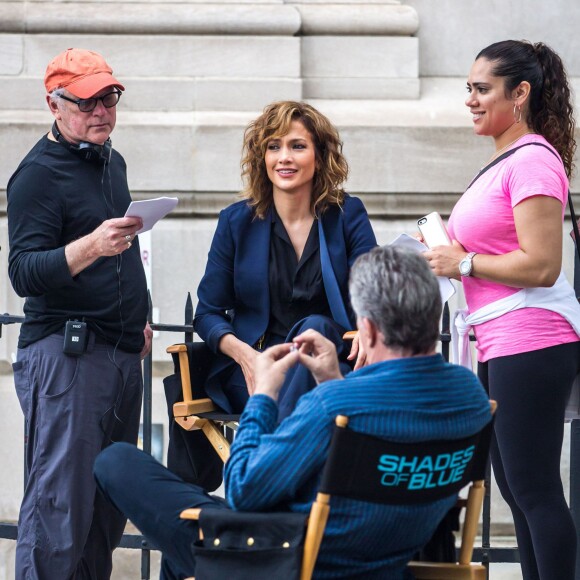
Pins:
<point x="82" y="72"/>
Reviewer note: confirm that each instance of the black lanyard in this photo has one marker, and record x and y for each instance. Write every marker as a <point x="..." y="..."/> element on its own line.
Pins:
<point x="511" y="152"/>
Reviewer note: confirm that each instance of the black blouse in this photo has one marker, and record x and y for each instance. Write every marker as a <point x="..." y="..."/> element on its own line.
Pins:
<point x="296" y="287"/>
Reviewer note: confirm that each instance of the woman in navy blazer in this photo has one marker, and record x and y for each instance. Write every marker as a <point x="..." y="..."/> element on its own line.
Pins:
<point x="280" y="259"/>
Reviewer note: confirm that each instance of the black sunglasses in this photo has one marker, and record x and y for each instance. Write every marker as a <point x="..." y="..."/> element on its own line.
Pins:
<point x="87" y="105"/>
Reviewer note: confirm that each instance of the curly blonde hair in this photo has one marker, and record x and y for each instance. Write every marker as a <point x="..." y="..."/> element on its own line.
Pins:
<point x="273" y="123"/>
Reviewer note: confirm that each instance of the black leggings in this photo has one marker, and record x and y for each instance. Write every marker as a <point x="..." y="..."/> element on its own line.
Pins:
<point x="531" y="390"/>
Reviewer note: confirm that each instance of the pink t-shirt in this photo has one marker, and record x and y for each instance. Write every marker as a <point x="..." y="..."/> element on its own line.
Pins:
<point x="483" y="222"/>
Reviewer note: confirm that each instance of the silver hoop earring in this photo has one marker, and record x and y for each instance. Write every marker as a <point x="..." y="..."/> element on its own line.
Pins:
<point x="518" y="117"/>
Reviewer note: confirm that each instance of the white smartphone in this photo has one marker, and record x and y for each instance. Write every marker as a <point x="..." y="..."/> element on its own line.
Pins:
<point x="433" y="230"/>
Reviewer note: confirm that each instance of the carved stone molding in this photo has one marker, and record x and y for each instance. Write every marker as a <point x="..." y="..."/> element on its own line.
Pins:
<point x="357" y="20"/>
<point x="149" y="18"/>
<point x="238" y="18"/>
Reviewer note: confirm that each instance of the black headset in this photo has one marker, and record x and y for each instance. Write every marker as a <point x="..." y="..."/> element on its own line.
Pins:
<point x="91" y="152"/>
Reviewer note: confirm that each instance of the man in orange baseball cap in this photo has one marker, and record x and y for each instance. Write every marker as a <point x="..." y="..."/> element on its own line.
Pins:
<point x="73" y="255"/>
<point x="83" y="72"/>
<point x="82" y="77"/>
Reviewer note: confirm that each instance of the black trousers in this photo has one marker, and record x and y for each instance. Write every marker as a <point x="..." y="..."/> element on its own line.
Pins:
<point x="154" y="506"/>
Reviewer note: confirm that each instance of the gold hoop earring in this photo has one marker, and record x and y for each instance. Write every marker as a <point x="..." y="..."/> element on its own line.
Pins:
<point x="518" y="110"/>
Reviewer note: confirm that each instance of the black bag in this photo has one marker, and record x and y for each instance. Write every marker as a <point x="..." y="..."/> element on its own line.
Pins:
<point x="189" y="453"/>
<point x="248" y="546"/>
<point x="441" y="546"/>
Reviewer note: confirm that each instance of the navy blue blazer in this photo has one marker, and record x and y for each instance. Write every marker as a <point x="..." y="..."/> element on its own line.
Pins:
<point x="236" y="275"/>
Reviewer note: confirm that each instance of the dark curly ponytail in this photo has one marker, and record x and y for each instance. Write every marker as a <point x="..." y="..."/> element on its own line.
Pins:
<point x="550" y="112"/>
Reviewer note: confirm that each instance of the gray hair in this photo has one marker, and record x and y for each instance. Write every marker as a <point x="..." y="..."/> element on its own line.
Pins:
<point x="56" y="94"/>
<point x="395" y="289"/>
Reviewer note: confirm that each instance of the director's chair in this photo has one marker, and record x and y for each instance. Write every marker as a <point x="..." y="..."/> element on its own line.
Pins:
<point x="351" y="453"/>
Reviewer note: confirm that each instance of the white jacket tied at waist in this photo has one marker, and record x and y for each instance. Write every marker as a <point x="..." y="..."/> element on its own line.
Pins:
<point x="559" y="298"/>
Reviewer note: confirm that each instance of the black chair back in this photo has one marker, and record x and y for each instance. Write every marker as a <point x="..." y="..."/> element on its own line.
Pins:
<point x="368" y="468"/>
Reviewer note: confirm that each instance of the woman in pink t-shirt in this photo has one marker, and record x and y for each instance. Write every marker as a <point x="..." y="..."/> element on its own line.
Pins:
<point x="507" y="236"/>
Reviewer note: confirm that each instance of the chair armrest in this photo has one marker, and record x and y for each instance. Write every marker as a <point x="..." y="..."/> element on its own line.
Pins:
<point x="176" y="348"/>
<point x="190" y="514"/>
<point x="193" y="407"/>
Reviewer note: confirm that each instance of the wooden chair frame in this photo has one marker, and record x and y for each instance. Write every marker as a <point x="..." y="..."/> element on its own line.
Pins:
<point x="191" y="414"/>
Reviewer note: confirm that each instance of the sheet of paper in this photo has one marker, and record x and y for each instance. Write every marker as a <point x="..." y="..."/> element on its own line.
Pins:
<point x="446" y="287"/>
<point x="151" y="210"/>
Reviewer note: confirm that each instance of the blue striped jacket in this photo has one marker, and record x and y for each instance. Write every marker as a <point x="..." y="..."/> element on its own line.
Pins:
<point x="406" y="400"/>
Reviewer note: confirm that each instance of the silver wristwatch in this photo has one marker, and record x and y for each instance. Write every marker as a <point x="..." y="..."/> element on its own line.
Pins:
<point x="466" y="265"/>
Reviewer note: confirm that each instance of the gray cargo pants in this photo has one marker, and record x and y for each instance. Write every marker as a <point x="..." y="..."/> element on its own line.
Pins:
<point x="74" y="407"/>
